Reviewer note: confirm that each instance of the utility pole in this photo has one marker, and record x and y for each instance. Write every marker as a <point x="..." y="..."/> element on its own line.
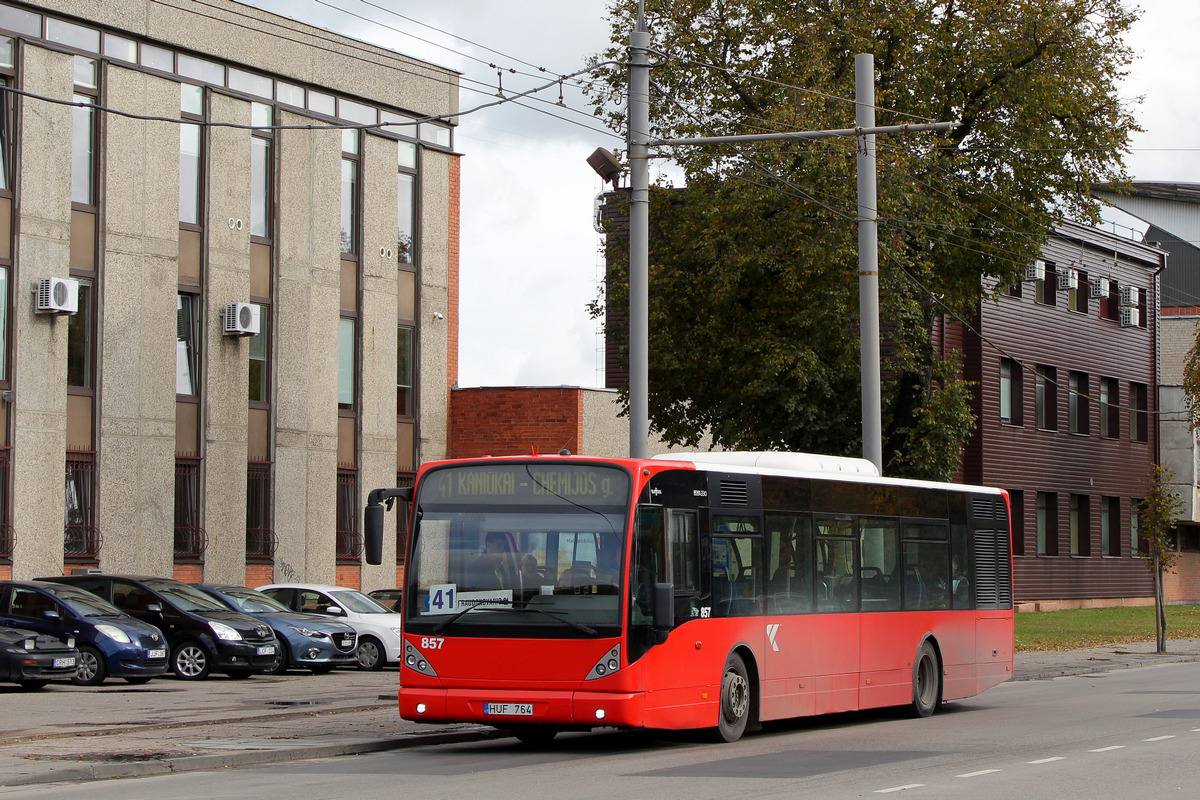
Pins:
<point x="639" y="238"/>
<point x="868" y="245"/>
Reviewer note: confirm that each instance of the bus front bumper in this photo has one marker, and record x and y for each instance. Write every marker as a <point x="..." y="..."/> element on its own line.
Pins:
<point x="514" y="707"/>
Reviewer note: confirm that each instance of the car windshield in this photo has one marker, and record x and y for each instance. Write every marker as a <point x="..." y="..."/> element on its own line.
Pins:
<point x="498" y="540"/>
<point x="186" y="598"/>
<point x="85" y="604"/>
<point x="359" y="603"/>
<point x="253" y="602"/>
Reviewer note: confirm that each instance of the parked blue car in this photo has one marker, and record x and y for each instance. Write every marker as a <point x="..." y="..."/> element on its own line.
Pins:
<point x="110" y="642"/>
<point x="307" y="641"/>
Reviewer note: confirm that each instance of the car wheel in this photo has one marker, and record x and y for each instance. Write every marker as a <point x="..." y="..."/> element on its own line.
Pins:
<point x="190" y="661"/>
<point x="280" y="667"/>
<point x="33" y="684"/>
<point x="370" y="654"/>
<point x="137" y="681"/>
<point x="90" y="670"/>
<point x="321" y="669"/>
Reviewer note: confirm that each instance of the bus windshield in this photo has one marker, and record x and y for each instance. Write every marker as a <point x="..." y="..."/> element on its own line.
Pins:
<point x="494" y="542"/>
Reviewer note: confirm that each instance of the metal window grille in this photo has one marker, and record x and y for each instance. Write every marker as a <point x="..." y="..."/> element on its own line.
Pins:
<point x="349" y="537"/>
<point x="81" y="537"/>
<point x="260" y="536"/>
<point x="190" y="539"/>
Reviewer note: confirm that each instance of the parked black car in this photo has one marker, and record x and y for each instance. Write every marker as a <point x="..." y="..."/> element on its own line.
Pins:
<point x="110" y="642"/>
<point x="306" y="641"/>
<point x="33" y="659"/>
<point x="202" y="634"/>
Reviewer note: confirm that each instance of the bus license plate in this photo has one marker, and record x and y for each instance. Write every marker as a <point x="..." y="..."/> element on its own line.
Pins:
<point x="509" y="709"/>
<point x="267" y="650"/>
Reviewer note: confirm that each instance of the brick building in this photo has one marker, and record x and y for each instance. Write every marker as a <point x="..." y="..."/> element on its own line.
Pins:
<point x="161" y="160"/>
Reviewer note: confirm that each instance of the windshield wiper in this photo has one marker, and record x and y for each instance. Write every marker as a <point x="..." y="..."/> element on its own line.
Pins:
<point x="579" y="626"/>
<point x="446" y="623"/>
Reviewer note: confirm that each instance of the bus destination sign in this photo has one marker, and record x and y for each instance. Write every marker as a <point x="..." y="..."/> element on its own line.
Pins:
<point x="539" y="484"/>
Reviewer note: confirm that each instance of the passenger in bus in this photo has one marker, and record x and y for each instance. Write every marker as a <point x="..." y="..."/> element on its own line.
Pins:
<point x="531" y="579"/>
<point x="960" y="584"/>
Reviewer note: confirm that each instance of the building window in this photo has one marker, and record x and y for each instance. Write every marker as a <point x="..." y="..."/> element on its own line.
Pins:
<point x="1110" y="307"/>
<point x="1110" y="526"/>
<point x="83" y="151"/>
<point x="1010" y="391"/>
<point x="260" y="372"/>
<point x="79" y="340"/>
<point x="1135" y="541"/>
<point x="1077" y="298"/>
<point x="405" y="217"/>
<point x="1046" y="290"/>
<point x="1016" y="500"/>
<point x="1047" y="523"/>
<point x="349" y="192"/>
<point x="1078" y="411"/>
<point x="1046" y="397"/>
<point x="1110" y="408"/>
<point x="82" y="538"/>
<point x="346" y="372"/>
<point x="404" y="372"/>
<point x="189" y="173"/>
<point x="187" y="344"/>
<point x="1139" y="412"/>
<point x="1080" y="523"/>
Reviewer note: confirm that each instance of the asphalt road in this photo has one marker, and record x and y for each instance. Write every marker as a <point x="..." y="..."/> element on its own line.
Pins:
<point x="1126" y="734"/>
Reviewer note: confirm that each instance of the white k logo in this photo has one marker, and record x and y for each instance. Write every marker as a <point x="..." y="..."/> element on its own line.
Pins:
<point x="771" y="631"/>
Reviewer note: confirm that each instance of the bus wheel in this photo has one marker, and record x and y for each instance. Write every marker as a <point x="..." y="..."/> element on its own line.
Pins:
<point x="735" y="701"/>
<point x="534" y="734"/>
<point x="927" y="681"/>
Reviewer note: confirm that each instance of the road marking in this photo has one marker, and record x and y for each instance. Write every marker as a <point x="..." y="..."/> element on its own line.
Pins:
<point x="1158" y="738"/>
<point x="1106" y="749"/>
<point x="899" y="788"/>
<point x="977" y="774"/>
<point x="1047" y="760"/>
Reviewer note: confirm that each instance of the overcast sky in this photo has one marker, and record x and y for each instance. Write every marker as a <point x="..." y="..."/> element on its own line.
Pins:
<point x="529" y="256"/>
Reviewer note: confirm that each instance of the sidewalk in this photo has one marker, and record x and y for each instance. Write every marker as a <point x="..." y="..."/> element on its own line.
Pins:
<point x="70" y="733"/>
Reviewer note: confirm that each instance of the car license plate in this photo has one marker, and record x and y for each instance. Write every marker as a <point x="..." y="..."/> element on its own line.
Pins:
<point x="159" y="653"/>
<point x="509" y="709"/>
<point x="267" y="650"/>
<point x="64" y="662"/>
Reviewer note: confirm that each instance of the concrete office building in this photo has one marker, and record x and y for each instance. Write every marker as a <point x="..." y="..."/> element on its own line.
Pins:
<point x="163" y="159"/>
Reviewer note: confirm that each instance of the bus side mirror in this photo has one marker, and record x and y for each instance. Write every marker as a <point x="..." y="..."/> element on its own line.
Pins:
<point x="373" y="533"/>
<point x="663" y="611"/>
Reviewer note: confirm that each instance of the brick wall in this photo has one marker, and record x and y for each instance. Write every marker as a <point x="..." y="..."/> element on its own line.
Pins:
<point x="189" y="573"/>
<point x="6" y="572"/>
<point x="399" y="574"/>
<point x="1182" y="584"/>
<point x="349" y="575"/>
<point x="493" y="421"/>
<point x="259" y="574"/>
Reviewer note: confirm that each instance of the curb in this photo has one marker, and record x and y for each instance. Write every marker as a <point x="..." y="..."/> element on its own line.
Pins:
<point x="180" y="764"/>
<point x="1107" y="665"/>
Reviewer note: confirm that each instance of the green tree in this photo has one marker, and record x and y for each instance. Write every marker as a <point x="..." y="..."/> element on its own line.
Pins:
<point x="1157" y="513"/>
<point x="754" y="310"/>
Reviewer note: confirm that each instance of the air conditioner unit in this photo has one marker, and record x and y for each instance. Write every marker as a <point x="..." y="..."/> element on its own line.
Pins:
<point x="56" y="296"/>
<point x="1130" y="317"/>
<point x="1068" y="279"/>
<point x="1129" y="295"/>
<point x="1036" y="271"/>
<point x="241" y="319"/>
<point x="1099" y="287"/>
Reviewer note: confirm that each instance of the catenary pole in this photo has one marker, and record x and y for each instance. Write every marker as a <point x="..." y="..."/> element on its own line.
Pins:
<point x="639" y="238"/>
<point x="868" y="261"/>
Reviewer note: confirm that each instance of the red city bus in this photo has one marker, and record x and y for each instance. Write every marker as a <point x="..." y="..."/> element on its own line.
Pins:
<point x="713" y="590"/>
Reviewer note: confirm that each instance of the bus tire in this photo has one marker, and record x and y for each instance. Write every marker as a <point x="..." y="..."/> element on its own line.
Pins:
<point x="927" y="681"/>
<point x="735" y="701"/>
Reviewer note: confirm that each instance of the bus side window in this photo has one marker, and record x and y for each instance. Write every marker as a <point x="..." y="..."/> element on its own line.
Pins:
<point x="789" y="561"/>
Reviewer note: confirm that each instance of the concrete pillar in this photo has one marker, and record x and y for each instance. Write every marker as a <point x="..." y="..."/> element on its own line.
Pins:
<point x="306" y="338"/>
<point x="228" y="357"/>
<point x="139" y="280"/>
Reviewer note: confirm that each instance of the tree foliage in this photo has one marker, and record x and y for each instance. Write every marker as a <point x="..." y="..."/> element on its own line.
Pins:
<point x="754" y="308"/>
